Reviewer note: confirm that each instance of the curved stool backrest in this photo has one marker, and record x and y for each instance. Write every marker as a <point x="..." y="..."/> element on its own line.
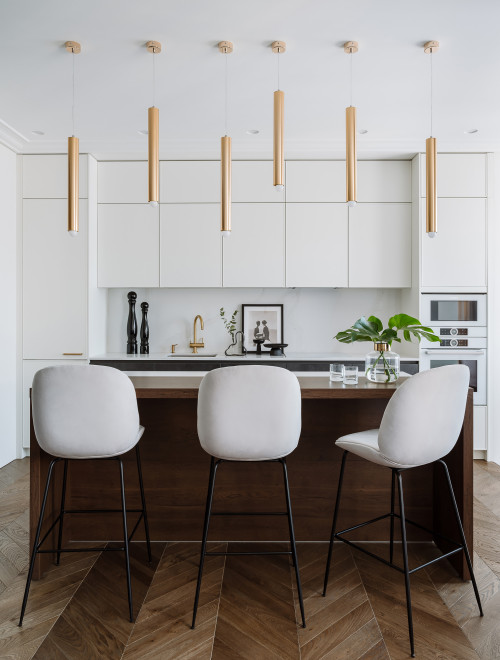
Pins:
<point x="249" y="413"/>
<point x="84" y="411"/>
<point x="423" y="419"/>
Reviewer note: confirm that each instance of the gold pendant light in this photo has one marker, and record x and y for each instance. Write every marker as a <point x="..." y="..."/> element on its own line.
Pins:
<point x="154" y="47"/>
<point x="430" y="164"/>
<point x="74" y="48"/>
<point x="225" y="47"/>
<point x="278" y="47"/>
<point x="350" y="47"/>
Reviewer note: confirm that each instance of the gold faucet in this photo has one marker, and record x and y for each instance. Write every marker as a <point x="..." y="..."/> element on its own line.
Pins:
<point x="195" y="345"/>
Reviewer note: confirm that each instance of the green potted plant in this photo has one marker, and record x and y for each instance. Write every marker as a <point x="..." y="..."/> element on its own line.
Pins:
<point x="382" y="364"/>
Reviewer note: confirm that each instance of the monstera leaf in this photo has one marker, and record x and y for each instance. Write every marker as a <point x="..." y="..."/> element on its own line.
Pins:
<point x="371" y="329"/>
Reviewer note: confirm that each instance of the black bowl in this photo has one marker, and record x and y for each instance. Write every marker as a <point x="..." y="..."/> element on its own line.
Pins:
<point x="276" y="349"/>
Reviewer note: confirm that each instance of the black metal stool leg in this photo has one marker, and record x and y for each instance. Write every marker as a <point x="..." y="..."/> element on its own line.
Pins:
<point x="293" y="546"/>
<point x="37" y="540"/>
<point x="405" y="562"/>
<point x="334" y="524"/>
<point x="462" y="536"/>
<point x="208" y="508"/>
<point x="61" y="513"/>
<point x="393" y="488"/>
<point x="125" y="542"/>
<point x="143" y="500"/>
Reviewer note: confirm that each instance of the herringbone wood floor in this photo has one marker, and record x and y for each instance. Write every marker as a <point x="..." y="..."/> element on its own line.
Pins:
<point x="248" y="605"/>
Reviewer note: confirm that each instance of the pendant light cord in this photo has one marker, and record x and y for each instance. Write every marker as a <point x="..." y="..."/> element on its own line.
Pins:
<point x="278" y="58"/>
<point x="351" y="75"/>
<point x="154" y="77"/>
<point x="225" y="96"/>
<point x="73" y="98"/>
<point x="431" y="91"/>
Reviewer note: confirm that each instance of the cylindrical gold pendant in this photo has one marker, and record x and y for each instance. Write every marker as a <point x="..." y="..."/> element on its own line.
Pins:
<point x="278" y="150"/>
<point x="73" y="188"/>
<point x="350" y="161"/>
<point x="430" y="191"/>
<point x="225" y="188"/>
<point x="153" y="156"/>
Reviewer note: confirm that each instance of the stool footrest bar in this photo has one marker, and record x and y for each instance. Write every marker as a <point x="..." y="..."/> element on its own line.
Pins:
<point x="224" y="554"/>
<point x="249" y="513"/>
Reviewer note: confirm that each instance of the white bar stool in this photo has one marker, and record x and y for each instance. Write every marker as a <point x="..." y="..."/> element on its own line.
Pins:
<point x="420" y="425"/>
<point x="249" y="413"/>
<point x="84" y="413"/>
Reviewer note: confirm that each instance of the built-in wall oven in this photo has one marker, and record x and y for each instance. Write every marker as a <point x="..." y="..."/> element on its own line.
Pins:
<point x="460" y="323"/>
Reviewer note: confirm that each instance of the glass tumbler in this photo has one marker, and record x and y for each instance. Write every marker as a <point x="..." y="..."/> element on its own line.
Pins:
<point x="350" y="375"/>
<point x="336" y="372"/>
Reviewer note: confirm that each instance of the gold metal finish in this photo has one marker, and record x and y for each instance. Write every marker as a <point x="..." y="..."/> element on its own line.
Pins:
<point x="153" y="47"/>
<point x="278" y="144"/>
<point x="225" y="47"/>
<point x="73" y="47"/>
<point x="430" y="191"/>
<point x="381" y="346"/>
<point x="225" y="188"/>
<point x="73" y="190"/>
<point x="278" y="47"/>
<point x="431" y="47"/>
<point x="195" y="345"/>
<point x="72" y="353"/>
<point x="350" y="161"/>
<point x="172" y="350"/>
<point x="351" y="47"/>
<point x="153" y="155"/>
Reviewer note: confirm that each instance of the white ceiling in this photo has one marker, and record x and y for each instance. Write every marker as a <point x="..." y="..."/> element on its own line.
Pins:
<point x="114" y="75"/>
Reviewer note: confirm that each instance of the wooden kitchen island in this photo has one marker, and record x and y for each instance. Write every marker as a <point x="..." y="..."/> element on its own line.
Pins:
<point x="176" y="472"/>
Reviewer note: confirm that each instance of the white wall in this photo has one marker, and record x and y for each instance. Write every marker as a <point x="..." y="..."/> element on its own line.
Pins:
<point x="8" y="322"/>
<point x="312" y="317"/>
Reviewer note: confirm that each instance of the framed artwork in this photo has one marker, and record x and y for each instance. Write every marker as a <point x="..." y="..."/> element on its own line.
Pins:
<point x="262" y="322"/>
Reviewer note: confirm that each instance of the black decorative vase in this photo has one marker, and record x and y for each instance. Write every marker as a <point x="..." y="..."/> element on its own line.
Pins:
<point x="144" y="328"/>
<point x="131" y="324"/>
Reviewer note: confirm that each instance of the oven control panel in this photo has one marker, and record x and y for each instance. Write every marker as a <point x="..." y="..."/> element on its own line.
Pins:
<point x="455" y="342"/>
<point x="453" y="332"/>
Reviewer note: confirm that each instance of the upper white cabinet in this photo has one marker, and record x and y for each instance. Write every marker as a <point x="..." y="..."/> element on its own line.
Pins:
<point x="384" y="181"/>
<point x="46" y="177"/>
<point x="54" y="281"/>
<point x="254" y="254"/>
<point x="458" y="175"/>
<point x="252" y="181"/>
<point x="122" y="182"/>
<point x="315" y="181"/>
<point x="190" y="245"/>
<point x="189" y="181"/>
<point x="128" y="245"/>
<point x="316" y="245"/>
<point x="456" y="256"/>
<point x="380" y="245"/>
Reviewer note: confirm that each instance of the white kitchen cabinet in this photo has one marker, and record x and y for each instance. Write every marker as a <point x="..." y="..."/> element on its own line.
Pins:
<point x="46" y="176"/>
<point x="122" y="182"/>
<point x="54" y="280"/>
<point x="252" y="181"/>
<point x="190" y="245"/>
<point x="315" y="181"/>
<point x="30" y="367"/>
<point x="254" y="254"/>
<point x="380" y="245"/>
<point x="457" y="175"/>
<point x="316" y="245"/>
<point x="189" y="181"/>
<point x="128" y="245"/>
<point x="384" y="181"/>
<point x="456" y="256"/>
<point x="480" y="428"/>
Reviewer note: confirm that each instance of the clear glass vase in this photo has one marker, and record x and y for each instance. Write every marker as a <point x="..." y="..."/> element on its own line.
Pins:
<point x="382" y="364"/>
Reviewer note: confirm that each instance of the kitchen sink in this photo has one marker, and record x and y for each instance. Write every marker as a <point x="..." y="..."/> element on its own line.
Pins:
<point x="192" y="355"/>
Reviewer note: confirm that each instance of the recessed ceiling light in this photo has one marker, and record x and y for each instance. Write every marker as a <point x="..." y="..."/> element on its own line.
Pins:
<point x="253" y="131"/>
<point x="38" y="132"/>
<point x="143" y="131"/>
<point x="470" y="131"/>
<point x="362" y="131"/>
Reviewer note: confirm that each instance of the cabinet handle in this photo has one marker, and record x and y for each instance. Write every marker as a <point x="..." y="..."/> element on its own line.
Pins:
<point x="72" y="353"/>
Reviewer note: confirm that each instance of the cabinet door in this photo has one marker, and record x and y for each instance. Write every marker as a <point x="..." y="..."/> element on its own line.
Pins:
<point x="480" y="428"/>
<point x="456" y="256"/>
<point x="384" y="181"/>
<point x="315" y="181"/>
<point x="190" y="245"/>
<point x="122" y="182"/>
<point x="458" y="175"/>
<point x="252" y="181"/>
<point x="380" y="245"/>
<point x="54" y="280"/>
<point x="316" y="245"/>
<point x="184" y="181"/>
<point x="46" y="177"/>
<point x="254" y="254"/>
<point x="128" y="245"/>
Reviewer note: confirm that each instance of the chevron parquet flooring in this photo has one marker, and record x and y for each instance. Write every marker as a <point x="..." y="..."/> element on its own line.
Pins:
<point x="248" y="605"/>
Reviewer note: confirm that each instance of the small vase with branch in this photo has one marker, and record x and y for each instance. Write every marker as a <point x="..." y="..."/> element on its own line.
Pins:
<point x="230" y="325"/>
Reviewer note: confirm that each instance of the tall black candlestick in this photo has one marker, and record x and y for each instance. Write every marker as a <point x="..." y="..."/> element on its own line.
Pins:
<point x="131" y="324"/>
<point x="144" y="328"/>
